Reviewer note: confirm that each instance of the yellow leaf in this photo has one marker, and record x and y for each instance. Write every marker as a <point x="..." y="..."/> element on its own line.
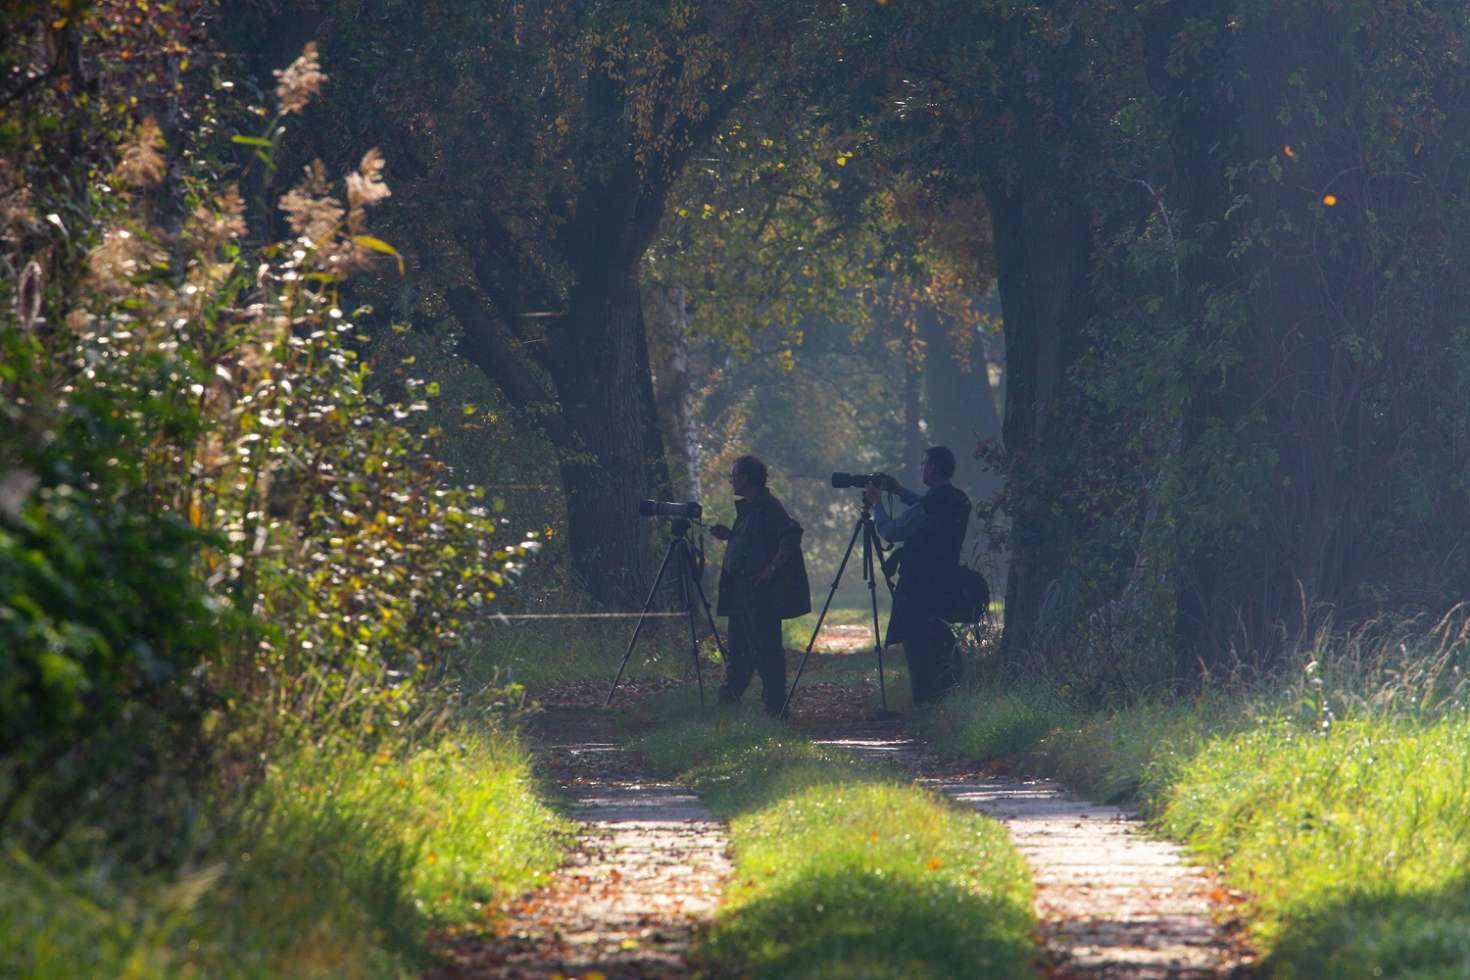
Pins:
<point x="378" y="245"/>
<point x="841" y="160"/>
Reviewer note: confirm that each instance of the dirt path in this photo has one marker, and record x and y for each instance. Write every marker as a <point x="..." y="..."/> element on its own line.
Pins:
<point x="650" y="862"/>
<point x="647" y="869"/>
<point x="1111" y="901"/>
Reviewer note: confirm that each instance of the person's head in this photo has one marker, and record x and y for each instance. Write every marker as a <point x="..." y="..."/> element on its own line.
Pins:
<point x="938" y="465"/>
<point x="747" y="475"/>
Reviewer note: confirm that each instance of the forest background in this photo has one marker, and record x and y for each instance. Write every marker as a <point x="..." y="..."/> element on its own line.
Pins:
<point x="269" y="465"/>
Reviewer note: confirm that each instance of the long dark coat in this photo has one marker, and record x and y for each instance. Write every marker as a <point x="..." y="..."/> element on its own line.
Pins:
<point x="928" y="578"/>
<point x="761" y="525"/>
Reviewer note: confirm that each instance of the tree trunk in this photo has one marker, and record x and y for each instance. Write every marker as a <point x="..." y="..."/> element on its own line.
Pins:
<point x="601" y="393"/>
<point x="668" y="337"/>
<point x="1042" y="253"/>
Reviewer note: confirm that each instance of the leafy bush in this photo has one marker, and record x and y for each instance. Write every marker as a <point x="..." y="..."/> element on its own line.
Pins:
<point x="213" y="533"/>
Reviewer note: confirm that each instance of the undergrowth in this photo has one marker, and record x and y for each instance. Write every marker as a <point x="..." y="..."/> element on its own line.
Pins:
<point x="841" y="869"/>
<point x="233" y="572"/>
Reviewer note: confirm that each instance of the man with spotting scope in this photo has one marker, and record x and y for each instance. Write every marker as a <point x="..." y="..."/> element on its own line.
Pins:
<point x="932" y="530"/>
<point x="762" y="581"/>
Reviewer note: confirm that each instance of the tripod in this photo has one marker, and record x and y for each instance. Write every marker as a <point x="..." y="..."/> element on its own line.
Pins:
<point x="688" y="573"/>
<point x="871" y="544"/>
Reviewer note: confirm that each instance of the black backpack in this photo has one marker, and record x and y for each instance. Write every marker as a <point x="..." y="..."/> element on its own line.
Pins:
<point x="969" y="598"/>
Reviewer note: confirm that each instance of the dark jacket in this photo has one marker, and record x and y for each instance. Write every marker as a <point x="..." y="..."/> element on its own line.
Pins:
<point x="761" y="525"/>
<point x="929" y="562"/>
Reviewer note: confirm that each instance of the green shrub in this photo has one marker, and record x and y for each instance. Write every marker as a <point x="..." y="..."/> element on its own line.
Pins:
<point x="213" y="534"/>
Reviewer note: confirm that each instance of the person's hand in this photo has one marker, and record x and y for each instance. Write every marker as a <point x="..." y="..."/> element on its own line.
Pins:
<point x="871" y="493"/>
<point x="721" y="533"/>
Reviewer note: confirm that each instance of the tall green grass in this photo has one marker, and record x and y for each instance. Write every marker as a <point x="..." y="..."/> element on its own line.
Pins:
<point x="1337" y="796"/>
<point x="336" y="867"/>
<point x="842" y="869"/>
<point x="540" y="653"/>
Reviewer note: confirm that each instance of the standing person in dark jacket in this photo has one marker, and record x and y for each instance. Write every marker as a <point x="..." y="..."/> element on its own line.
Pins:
<point x="932" y="530"/>
<point x="762" y="581"/>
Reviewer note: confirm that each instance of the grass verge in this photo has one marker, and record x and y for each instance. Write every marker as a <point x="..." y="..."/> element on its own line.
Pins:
<point x="540" y="653"/>
<point x="841" y="869"/>
<point x="1348" y="826"/>
<point x="337" y="867"/>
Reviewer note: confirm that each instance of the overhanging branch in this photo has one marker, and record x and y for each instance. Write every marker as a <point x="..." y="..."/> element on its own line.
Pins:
<point x="486" y="344"/>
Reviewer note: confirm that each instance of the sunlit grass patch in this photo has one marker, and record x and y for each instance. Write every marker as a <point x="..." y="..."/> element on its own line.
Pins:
<point x="841" y="870"/>
<point x="466" y="809"/>
<point x="872" y="879"/>
<point x="336" y="868"/>
<point x="993" y="723"/>
<point x="1340" y="834"/>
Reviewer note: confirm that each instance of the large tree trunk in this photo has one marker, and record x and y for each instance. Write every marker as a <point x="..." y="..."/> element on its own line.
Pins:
<point x="1042" y="253"/>
<point x="1202" y="140"/>
<point x="601" y="396"/>
<point x="599" y="367"/>
<point x="668" y="337"/>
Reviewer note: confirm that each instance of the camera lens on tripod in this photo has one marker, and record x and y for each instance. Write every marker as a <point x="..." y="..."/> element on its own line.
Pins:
<point x="679" y="510"/>
<point x="844" y="481"/>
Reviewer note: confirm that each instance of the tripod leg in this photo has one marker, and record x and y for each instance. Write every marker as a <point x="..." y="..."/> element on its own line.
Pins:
<point x="687" y="574"/>
<point x="642" y="615"/>
<point x="836" y="580"/>
<point x="870" y="544"/>
<point x="710" y="616"/>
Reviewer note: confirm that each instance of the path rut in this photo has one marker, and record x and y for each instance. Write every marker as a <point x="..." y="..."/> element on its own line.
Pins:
<point x="647" y="869"/>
